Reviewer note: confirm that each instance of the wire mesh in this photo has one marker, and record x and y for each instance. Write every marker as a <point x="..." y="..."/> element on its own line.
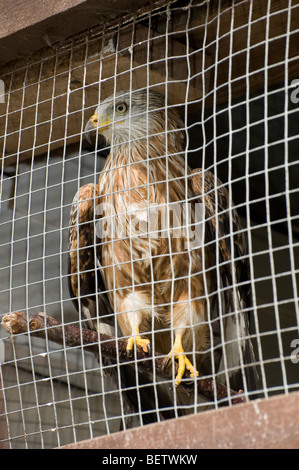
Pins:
<point x="229" y="71"/>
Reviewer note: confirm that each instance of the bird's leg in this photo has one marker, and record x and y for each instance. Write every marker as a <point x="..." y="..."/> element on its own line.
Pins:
<point x="129" y="322"/>
<point x="178" y="353"/>
<point x="136" y="338"/>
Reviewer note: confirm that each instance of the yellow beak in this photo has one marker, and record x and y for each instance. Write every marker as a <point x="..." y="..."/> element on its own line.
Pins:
<point x="93" y="124"/>
<point x="94" y="120"/>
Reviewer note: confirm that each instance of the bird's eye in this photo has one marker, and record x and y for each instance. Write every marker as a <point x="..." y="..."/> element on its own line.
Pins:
<point x="121" y="108"/>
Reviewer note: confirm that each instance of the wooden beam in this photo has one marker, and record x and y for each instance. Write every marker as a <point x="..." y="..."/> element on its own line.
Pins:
<point x="62" y="90"/>
<point x="271" y="423"/>
<point x="247" y="34"/>
<point x="64" y="84"/>
<point x="31" y="25"/>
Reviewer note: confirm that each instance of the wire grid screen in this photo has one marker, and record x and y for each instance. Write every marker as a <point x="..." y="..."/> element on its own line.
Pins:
<point x="229" y="73"/>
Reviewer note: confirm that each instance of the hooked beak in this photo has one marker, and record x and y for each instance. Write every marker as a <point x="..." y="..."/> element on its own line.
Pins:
<point x="90" y="128"/>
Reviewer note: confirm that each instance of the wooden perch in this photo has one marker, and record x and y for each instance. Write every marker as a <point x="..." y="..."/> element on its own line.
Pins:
<point x="43" y="326"/>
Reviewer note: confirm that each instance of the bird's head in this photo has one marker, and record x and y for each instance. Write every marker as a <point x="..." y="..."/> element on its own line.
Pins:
<point x="130" y="116"/>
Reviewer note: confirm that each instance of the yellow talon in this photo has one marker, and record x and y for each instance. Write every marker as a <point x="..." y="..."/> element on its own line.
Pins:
<point x="178" y="353"/>
<point x="144" y="343"/>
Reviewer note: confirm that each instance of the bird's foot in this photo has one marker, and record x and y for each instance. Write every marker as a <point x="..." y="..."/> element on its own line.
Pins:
<point x="142" y="342"/>
<point x="177" y="352"/>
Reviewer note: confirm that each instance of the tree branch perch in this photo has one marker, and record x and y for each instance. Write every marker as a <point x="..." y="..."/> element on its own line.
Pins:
<point x="43" y="326"/>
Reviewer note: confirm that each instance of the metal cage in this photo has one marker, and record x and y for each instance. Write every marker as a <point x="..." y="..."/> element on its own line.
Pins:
<point x="231" y="72"/>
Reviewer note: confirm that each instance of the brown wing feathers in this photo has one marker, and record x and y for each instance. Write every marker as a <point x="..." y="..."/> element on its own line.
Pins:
<point x="233" y="269"/>
<point x="83" y="285"/>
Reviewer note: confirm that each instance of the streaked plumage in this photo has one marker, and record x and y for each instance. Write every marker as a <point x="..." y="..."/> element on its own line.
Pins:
<point x="159" y="277"/>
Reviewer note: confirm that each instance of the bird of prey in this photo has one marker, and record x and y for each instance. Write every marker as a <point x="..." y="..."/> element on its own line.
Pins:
<point x="170" y="251"/>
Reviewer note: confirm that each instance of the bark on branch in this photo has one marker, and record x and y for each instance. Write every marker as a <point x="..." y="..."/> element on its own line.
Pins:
<point x="43" y="326"/>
